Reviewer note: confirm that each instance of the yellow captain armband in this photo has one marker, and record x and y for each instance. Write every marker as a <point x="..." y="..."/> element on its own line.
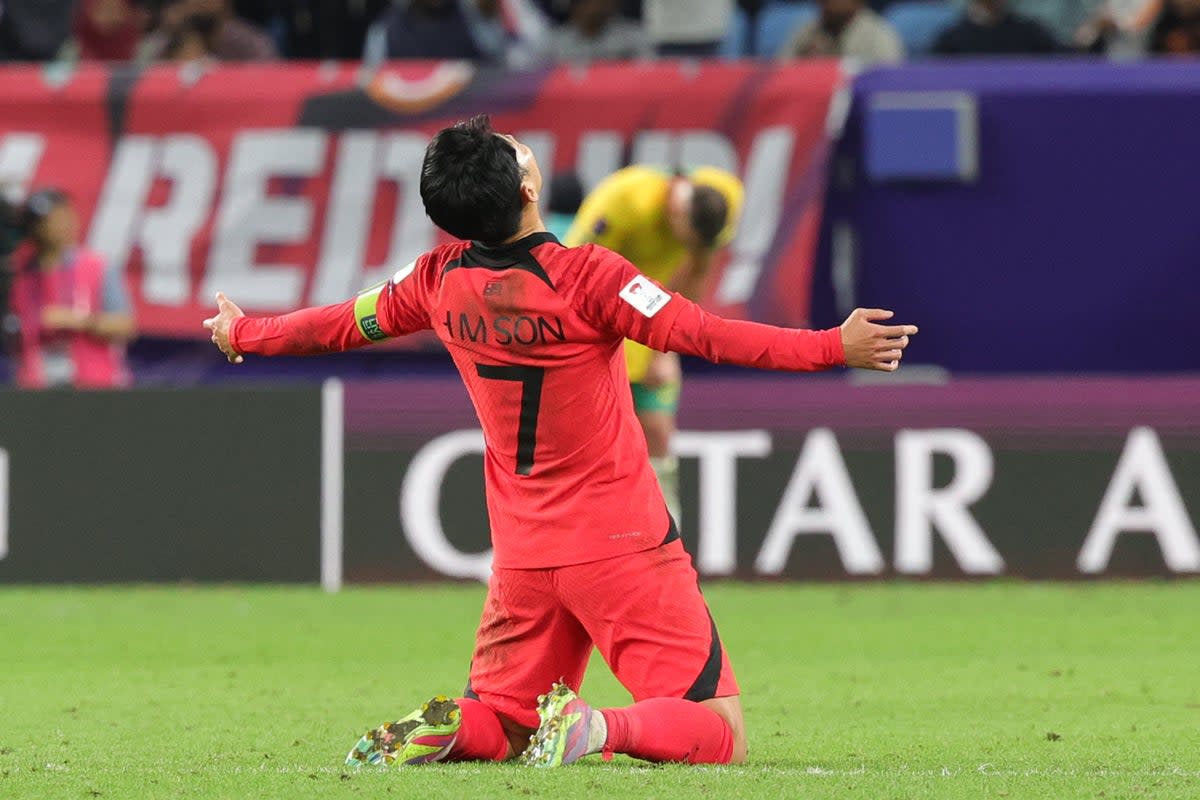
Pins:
<point x="366" y="306"/>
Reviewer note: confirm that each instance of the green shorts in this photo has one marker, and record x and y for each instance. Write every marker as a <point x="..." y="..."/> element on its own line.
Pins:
<point x="661" y="398"/>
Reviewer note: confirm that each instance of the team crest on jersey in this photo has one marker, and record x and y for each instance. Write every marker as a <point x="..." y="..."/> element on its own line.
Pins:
<point x="645" y="296"/>
<point x="493" y="288"/>
<point x="600" y="227"/>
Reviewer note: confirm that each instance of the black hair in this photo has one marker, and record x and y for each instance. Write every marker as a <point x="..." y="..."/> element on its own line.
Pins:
<point x="709" y="213"/>
<point x="471" y="183"/>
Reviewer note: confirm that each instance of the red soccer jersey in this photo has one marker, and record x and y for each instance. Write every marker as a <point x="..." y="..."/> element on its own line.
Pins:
<point x="535" y="330"/>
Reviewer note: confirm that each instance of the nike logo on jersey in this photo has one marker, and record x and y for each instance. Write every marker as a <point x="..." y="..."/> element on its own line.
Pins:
<point x="503" y="330"/>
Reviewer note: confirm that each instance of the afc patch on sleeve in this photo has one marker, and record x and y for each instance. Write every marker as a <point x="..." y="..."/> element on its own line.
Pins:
<point x="646" y="297"/>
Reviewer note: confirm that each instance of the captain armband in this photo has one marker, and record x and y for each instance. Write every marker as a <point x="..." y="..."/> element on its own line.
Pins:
<point x="366" y="306"/>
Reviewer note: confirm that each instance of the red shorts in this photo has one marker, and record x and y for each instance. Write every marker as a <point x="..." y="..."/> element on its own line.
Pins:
<point x="643" y="611"/>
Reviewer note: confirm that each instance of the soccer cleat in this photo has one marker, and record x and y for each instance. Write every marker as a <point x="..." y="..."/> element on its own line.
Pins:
<point x="568" y="730"/>
<point x="425" y="735"/>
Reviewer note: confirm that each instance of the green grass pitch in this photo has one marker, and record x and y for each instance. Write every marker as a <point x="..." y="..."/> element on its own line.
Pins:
<point x="860" y="691"/>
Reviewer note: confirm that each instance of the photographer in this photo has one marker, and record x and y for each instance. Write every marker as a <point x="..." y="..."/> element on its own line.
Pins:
<point x="74" y="315"/>
<point x="194" y="29"/>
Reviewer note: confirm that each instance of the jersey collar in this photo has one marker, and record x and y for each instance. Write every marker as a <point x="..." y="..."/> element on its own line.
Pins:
<point x="514" y="255"/>
<point x="512" y="251"/>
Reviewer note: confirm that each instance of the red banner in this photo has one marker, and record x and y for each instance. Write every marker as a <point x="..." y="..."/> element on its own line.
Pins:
<point x="296" y="185"/>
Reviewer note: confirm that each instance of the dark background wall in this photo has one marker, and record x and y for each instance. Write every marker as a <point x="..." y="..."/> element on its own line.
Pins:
<point x="206" y="485"/>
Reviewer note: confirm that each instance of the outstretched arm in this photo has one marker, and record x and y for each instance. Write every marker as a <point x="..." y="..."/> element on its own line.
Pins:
<point x="859" y="342"/>
<point x="624" y="300"/>
<point x="308" y="331"/>
<point x="393" y="308"/>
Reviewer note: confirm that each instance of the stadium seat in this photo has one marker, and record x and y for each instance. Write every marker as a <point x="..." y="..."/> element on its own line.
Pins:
<point x="733" y="46"/>
<point x="776" y="24"/>
<point x="920" y="21"/>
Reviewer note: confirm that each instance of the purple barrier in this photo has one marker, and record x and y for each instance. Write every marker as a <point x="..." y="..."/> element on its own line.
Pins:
<point x="1078" y="248"/>
<point x="825" y="479"/>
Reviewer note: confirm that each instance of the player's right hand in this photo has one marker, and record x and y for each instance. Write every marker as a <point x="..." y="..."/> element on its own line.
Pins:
<point x="868" y="345"/>
<point x="227" y="312"/>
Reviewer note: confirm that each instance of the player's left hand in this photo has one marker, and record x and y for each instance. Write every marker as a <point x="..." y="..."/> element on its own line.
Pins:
<point x="227" y="312"/>
<point x="869" y="345"/>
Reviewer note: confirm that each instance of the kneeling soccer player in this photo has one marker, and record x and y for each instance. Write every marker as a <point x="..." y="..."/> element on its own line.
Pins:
<point x="585" y="550"/>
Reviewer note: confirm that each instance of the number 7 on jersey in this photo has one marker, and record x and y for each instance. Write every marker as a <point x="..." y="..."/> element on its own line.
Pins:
<point x="530" y="379"/>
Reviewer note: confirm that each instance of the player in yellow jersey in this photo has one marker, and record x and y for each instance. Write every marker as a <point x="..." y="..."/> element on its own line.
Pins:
<point x="670" y="224"/>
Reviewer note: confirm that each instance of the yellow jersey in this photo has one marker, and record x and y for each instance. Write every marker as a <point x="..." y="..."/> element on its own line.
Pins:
<point x="627" y="213"/>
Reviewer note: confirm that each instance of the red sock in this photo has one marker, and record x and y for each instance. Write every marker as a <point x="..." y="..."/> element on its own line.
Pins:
<point x="481" y="736"/>
<point x="668" y="729"/>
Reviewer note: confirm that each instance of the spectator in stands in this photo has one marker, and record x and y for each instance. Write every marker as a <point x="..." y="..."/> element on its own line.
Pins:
<point x="1117" y="27"/>
<point x="687" y="27"/>
<point x="190" y="29"/>
<point x="33" y="30"/>
<point x="430" y="29"/>
<point x="1177" y="31"/>
<point x="74" y="315"/>
<point x="988" y="27"/>
<point x="559" y="11"/>
<point x="189" y="42"/>
<point x="596" y="32"/>
<point x="108" y="30"/>
<point x="319" y="29"/>
<point x="847" y="29"/>
<point x="419" y="29"/>
<point x="511" y="32"/>
<point x="1078" y="22"/>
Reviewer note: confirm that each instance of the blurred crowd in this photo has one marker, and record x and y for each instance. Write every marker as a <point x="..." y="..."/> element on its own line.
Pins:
<point x="520" y="33"/>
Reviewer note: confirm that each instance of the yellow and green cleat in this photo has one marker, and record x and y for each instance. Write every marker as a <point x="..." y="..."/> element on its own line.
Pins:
<point x="568" y="730"/>
<point x="425" y="735"/>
